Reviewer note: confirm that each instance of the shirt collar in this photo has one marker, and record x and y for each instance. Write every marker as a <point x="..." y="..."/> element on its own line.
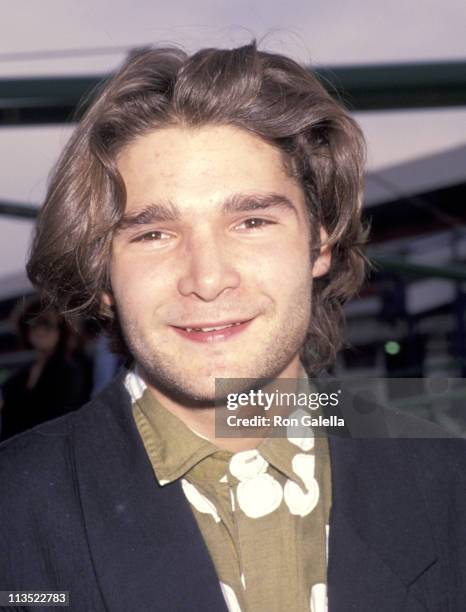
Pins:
<point x="280" y="452"/>
<point x="174" y="449"/>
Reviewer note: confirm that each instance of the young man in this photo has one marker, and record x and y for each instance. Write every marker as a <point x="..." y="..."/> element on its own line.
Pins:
<point x="207" y="210"/>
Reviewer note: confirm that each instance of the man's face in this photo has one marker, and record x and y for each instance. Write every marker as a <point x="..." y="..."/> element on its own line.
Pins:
<point x="215" y="235"/>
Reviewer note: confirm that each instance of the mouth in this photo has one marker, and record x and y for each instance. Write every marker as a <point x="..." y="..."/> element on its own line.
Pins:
<point x="212" y="332"/>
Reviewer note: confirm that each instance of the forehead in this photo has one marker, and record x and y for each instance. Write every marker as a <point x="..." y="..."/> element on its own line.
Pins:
<point x="199" y="165"/>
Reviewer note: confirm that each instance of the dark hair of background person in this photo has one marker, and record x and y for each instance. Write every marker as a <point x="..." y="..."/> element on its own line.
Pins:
<point x="31" y="313"/>
<point x="266" y="94"/>
<point x="52" y="382"/>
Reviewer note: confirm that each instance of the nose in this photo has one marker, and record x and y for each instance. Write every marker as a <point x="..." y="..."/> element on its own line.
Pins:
<point x="209" y="268"/>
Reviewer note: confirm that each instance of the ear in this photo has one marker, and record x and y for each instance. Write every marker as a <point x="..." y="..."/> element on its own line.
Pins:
<point x="106" y="303"/>
<point x="324" y="259"/>
<point x="107" y="299"/>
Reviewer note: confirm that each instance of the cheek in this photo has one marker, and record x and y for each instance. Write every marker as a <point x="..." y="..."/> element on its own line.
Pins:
<point x="296" y="283"/>
<point x="138" y="285"/>
<point x="286" y="270"/>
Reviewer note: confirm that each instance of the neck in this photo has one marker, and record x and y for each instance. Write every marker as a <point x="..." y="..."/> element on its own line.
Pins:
<point x="202" y="419"/>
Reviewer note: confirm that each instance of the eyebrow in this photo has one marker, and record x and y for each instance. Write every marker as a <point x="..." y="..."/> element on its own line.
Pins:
<point x="251" y="202"/>
<point x="151" y="213"/>
<point x="168" y="211"/>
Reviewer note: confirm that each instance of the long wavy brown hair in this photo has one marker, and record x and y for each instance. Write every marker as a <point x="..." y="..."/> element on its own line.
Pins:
<point x="267" y="94"/>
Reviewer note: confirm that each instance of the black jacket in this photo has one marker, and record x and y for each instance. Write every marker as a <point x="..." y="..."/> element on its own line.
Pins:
<point x="62" y="386"/>
<point x="81" y="511"/>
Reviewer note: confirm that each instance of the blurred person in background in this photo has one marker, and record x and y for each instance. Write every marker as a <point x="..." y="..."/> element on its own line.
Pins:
<point x="50" y="385"/>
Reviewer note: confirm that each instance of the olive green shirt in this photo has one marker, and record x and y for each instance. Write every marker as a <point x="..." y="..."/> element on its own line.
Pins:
<point x="263" y="513"/>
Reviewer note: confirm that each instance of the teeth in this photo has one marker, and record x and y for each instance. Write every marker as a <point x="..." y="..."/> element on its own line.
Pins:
<point x="210" y="329"/>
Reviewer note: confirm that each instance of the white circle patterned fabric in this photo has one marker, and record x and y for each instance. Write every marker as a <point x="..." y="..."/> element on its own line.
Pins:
<point x="263" y="513"/>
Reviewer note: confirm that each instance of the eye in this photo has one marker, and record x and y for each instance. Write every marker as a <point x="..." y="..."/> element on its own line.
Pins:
<point x="153" y="236"/>
<point x="254" y="223"/>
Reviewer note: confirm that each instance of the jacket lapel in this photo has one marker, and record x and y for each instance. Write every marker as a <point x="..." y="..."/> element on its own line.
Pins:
<point x="380" y="538"/>
<point x="147" y="551"/>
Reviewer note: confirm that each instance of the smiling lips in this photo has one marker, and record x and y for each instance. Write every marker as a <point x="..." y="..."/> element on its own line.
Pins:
<point x="209" y="332"/>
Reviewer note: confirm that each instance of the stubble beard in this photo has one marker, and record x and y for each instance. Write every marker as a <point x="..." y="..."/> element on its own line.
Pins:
<point x="161" y="369"/>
